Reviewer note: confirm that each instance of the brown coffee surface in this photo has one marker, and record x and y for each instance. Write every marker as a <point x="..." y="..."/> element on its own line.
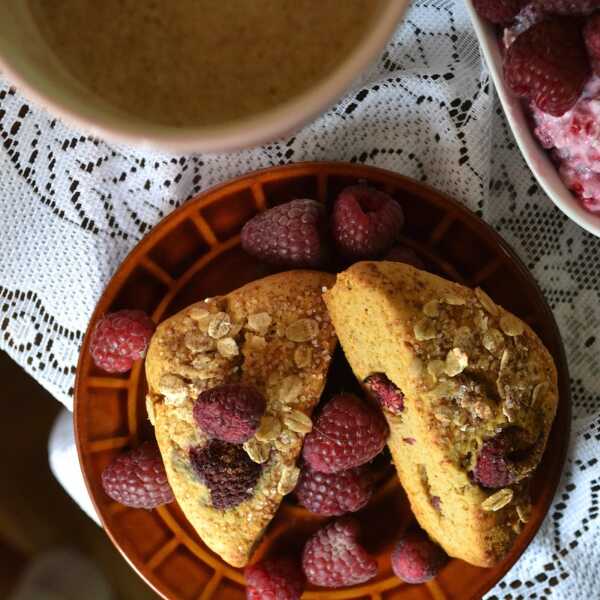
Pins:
<point x="200" y="62"/>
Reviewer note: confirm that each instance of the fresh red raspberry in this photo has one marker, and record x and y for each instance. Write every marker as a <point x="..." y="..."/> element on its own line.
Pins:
<point x="120" y="338"/>
<point x="334" y="494"/>
<point x="348" y="433"/>
<point x="365" y="222"/>
<point x="591" y="34"/>
<point x="137" y="478"/>
<point x="405" y="255"/>
<point x="388" y="395"/>
<point x="548" y="65"/>
<point x="332" y="557"/>
<point x="568" y="7"/>
<point x="493" y="468"/>
<point x="289" y="235"/>
<point x="227" y="471"/>
<point x="230" y="412"/>
<point x="417" y="559"/>
<point x="500" y="12"/>
<point x="278" y="578"/>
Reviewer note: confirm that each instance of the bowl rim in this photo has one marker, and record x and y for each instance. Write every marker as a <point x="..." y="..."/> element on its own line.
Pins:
<point x="246" y="132"/>
<point x="412" y="185"/>
<point x="535" y="156"/>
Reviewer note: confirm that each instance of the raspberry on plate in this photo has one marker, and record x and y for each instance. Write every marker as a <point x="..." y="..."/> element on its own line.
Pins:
<point x="230" y="412"/>
<point x="388" y="395"/>
<point x="137" y="478"/>
<point x="500" y="12"/>
<point x="365" y="222"/>
<point x="591" y="34"/>
<point x="120" y="338"/>
<point x="289" y="235"/>
<point x="548" y="65"/>
<point x="227" y="471"/>
<point x="278" y="578"/>
<point x="405" y="255"/>
<point x="416" y="559"/>
<point x="348" y="433"/>
<point x="332" y="557"/>
<point x="334" y="494"/>
<point x="568" y="7"/>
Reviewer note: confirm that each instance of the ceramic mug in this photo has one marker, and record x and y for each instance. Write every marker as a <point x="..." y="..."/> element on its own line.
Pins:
<point x="28" y="62"/>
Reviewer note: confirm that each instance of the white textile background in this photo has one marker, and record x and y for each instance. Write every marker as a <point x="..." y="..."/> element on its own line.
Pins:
<point x="72" y="207"/>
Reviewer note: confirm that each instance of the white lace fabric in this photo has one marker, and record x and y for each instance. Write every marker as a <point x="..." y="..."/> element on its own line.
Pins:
<point x="72" y="208"/>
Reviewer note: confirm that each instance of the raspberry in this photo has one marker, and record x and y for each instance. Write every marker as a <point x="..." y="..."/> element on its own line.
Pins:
<point x="365" y="222"/>
<point x="332" y="557"/>
<point x="390" y="398"/>
<point x="348" y="433"/>
<point x="548" y="65"/>
<point x="500" y="12"/>
<point x="568" y="7"/>
<point x="289" y="235"/>
<point x="417" y="559"/>
<point x="120" y="338"/>
<point x="230" y="412"/>
<point x="334" y="494"/>
<point x="279" y="578"/>
<point x="227" y="471"/>
<point x="493" y="468"/>
<point x="591" y="34"/>
<point x="137" y="478"/>
<point x="405" y="255"/>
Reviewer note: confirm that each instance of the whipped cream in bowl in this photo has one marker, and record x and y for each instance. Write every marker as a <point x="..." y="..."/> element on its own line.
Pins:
<point x="562" y="152"/>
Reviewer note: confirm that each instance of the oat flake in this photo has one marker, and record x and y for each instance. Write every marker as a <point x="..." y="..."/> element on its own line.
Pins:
<point x="227" y="347"/>
<point x="432" y="309"/>
<point x="257" y="451"/>
<point x="486" y="302"/>
<point x="219" y="326"/>
<point x="511" y="325"/>
<point x="299" y="422"/>
<point x="288" y="480"/>
<point x="259" y="322"/>
<point x="454" y="300"/>
<point x="303" y="356"/>
<point x="524" y="512"/>
<point x="269" y="429"/>
<point x="456" y="362"/>
<point x="424" y="330"/>
<point x="302" y="330"/>
<point x="498" y="500"/>
<point x="492" y="340"/>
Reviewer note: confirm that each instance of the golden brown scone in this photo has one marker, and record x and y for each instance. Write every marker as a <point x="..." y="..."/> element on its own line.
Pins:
<point x="468" y="370"/>
<point x="274" y="334"/>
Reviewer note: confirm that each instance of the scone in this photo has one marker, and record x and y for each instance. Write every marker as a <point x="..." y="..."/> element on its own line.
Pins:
<point x="480" y="394"/>
<point x="273" y="334"/>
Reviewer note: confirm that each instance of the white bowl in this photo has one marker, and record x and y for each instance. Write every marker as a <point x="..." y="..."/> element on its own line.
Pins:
<point x="25" y="58"/>
<point x="537" y="158"/>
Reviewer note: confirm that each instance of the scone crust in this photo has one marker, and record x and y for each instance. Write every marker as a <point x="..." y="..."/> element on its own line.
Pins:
<point x="274" y="334"/>
<point x="468" y="369"/>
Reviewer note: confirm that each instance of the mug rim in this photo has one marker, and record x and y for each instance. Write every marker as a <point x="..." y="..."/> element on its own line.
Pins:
<point x="246" y="132"/>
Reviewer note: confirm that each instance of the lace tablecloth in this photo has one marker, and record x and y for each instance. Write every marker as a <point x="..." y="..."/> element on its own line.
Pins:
<point x="72" y="207"/>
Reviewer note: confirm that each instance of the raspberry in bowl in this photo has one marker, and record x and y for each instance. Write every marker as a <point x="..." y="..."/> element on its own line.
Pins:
<point x="555" y="119"/>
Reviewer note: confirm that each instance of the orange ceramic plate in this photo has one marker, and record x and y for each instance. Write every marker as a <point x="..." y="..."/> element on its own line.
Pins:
<point x="195" y="253"/>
